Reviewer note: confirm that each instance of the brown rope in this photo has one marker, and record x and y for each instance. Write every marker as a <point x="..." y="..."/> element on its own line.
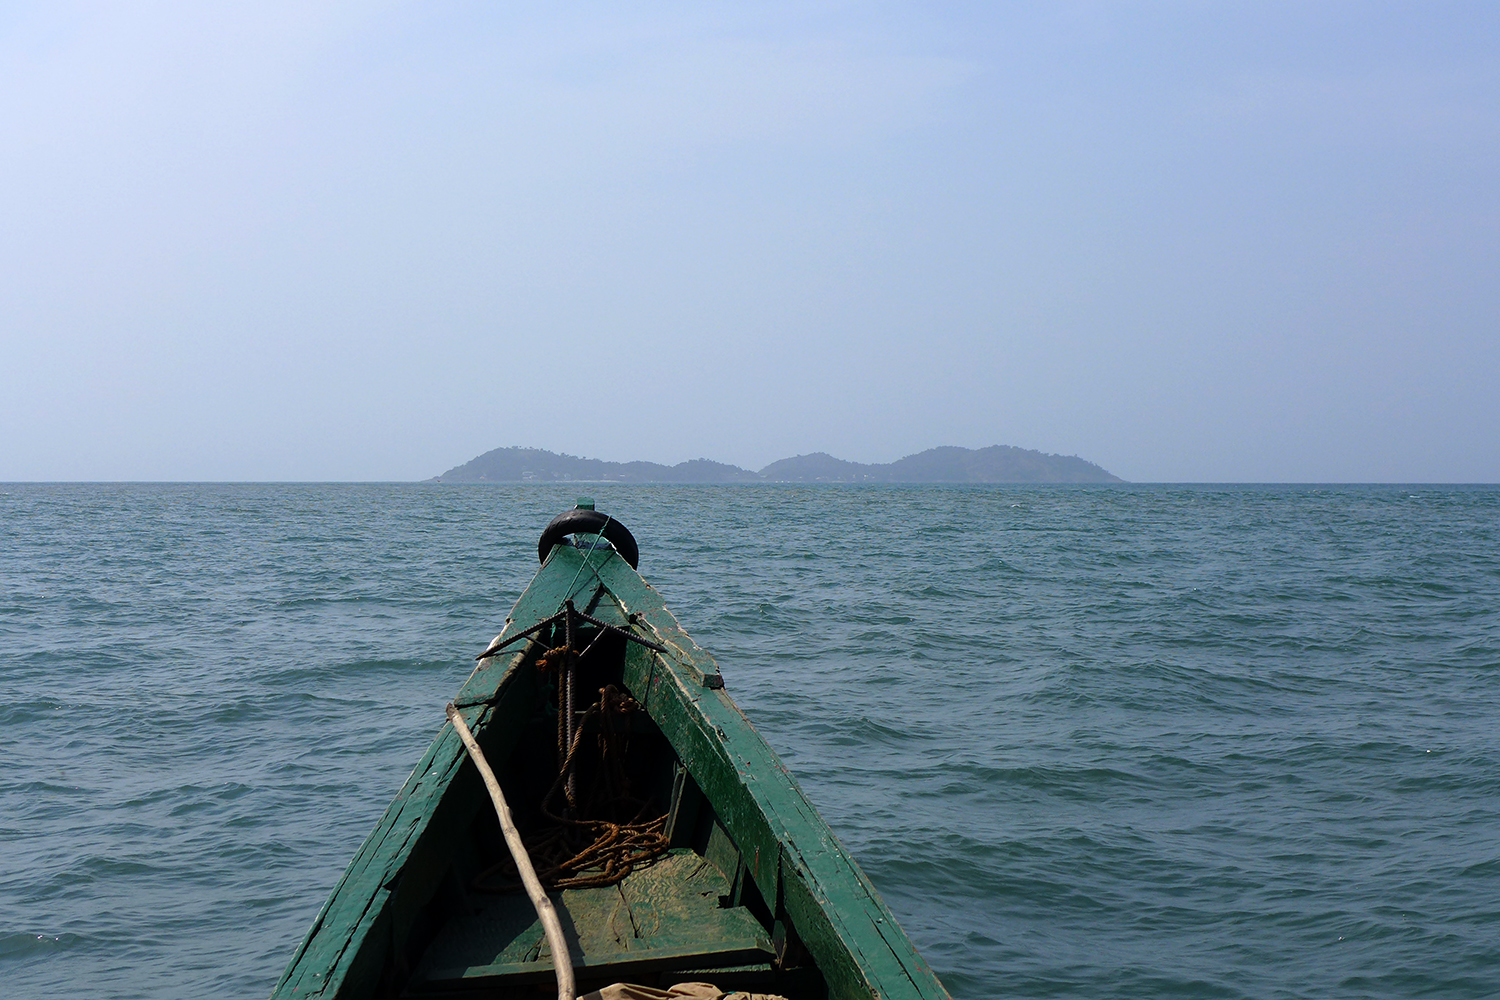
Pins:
<point x="615" y="849"/>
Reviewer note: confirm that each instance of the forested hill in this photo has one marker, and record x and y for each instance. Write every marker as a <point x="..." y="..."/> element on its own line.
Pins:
<point x="996" y="464"/>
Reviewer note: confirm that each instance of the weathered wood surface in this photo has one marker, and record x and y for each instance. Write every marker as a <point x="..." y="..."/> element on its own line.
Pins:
<point x="345" y="950"/>
<point x="664" y="914"/>
<point x="797" y="863"/>
<point x="800" y="869"/>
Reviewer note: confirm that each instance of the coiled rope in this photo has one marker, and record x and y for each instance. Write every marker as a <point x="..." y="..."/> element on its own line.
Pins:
<point x="613" y="848"/>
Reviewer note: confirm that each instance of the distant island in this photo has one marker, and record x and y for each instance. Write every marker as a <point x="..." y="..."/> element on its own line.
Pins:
<point x="996" y="464"/>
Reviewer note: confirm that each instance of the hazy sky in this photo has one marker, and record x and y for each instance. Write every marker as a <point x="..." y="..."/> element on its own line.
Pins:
<point x="314" y="240"/>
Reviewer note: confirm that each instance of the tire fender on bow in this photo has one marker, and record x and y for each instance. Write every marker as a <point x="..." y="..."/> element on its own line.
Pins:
<point x="582" y="521"/>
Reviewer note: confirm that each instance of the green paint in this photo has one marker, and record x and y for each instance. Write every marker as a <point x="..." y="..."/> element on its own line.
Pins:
<point x="377" y="928"/>
<point x="668" y="913"/>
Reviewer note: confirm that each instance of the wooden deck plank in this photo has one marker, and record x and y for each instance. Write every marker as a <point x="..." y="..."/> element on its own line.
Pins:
<point x="661" y="914"/>
<point x="504" y="931"/>
<point x="620" y="967"/>
<point x="596" y="924"/>
<point x="678" y="903"/>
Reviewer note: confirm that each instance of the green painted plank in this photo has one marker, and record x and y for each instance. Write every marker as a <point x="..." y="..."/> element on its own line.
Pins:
<point x="676" y="902"/>
<point x="505" y="931"/>
<point x="671" y="907"/>
<point x="596" y="924"/>
<point x="342" y="939"/>
<point x="359" y="895"/>
<point x="335" y="945"/>
<point x="793" y="856"/>
<point x="619" y="967"/>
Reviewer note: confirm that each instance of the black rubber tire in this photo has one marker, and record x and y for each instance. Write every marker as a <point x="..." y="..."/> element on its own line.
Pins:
<point x="589" y="522"/>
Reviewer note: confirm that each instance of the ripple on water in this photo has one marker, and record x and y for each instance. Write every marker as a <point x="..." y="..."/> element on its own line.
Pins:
<point x="1133" y="742"/>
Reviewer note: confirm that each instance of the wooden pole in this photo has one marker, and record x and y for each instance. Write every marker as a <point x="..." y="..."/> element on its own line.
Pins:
<point x="562" y="964"/>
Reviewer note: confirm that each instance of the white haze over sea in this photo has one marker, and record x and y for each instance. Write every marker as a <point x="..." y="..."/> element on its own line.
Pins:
<point x="328" y="240"/>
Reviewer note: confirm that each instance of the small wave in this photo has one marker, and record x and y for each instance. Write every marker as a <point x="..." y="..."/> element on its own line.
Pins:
<point x="1131" y="742"/>
<point x="20" y="944"/>
<point x="19" y="713"/>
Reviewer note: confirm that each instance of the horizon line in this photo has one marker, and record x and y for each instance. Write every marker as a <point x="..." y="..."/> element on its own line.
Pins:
<point x="433" y="481"/>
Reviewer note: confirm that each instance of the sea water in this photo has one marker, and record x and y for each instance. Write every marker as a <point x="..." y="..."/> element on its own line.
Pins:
<point x="1152" y="741"/>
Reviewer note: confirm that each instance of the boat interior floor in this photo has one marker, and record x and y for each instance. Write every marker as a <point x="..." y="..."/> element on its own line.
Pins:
<point x="670" y="917"/>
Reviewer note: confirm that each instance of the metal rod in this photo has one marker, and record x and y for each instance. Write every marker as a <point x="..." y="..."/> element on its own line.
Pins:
<point x="572" y="683"/>
<point x="627" y="634"/>
<point x="519" y="635"/>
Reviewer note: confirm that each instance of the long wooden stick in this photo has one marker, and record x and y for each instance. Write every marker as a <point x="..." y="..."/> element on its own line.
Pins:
<point x="562" y="964"/>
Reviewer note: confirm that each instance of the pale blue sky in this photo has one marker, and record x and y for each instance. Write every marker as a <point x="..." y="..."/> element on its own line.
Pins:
<point x="1185" y="240"/>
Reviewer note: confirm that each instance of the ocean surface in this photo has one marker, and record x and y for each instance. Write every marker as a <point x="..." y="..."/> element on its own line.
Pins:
<point x="1095" y="742"/>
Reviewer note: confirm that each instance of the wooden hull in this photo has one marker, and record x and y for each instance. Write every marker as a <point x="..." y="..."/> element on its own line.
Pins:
<point x="754" y="893"/>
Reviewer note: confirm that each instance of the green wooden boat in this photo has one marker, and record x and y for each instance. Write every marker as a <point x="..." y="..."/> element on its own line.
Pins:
<point x="708" y="863"/>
